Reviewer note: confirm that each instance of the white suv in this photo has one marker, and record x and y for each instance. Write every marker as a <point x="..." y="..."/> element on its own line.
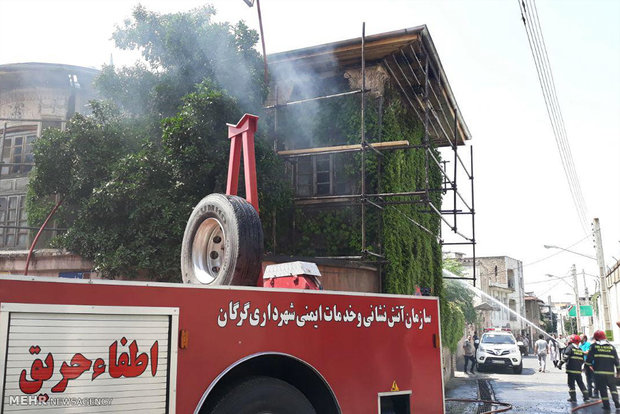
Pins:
<point x="499" y="349"/>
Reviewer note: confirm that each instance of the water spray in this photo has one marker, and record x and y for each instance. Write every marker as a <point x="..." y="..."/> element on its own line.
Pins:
<point x="479" y="292"/>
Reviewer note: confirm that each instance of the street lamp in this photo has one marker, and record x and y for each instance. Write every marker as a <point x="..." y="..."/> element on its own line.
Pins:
<point x="599" y="259"/>
<point x="575" y="288"/>
<point x="546" y="246"/>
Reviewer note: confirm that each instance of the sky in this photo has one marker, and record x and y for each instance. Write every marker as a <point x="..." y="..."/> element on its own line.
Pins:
<point x="522" y="197"/>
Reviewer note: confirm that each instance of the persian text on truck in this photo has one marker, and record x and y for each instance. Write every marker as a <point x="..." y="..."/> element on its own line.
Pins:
<point x="210" y="345"/>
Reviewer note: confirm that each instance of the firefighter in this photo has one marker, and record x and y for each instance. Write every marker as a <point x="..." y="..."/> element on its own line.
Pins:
<point x="585" y="347"/>
<point x="603" y="361"/>
<point x="573" y="358"/>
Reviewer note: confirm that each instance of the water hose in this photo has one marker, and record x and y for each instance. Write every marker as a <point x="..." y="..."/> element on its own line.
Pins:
<point x="505" y="406"/>
<point x="588" y="404"/>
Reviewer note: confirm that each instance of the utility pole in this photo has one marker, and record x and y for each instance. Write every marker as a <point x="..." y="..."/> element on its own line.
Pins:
<point x="573" y="271"/>
<point x="588" y="302"/>
<point x="600" y="259"/>
<point x="550" y="313"/>
<point x="585" y="285"/>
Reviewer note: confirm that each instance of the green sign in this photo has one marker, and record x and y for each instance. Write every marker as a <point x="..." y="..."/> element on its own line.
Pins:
<point x="610" y="335"/>
<point x="585" y="310"/>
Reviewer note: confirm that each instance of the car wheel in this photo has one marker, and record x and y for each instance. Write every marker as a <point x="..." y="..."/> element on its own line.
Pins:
<point x="518" y="369"/>
<point x="223" y="242"/>
<point x="264" y="395"/>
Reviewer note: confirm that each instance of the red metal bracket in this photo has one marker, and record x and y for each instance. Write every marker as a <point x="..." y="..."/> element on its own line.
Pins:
<point x="242" y="135"/>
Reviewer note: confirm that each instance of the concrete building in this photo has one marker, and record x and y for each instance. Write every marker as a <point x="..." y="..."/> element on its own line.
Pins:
<point x="500" y="277"/>
<point x="613" y="288"/>
<point x="533" y="314"/>
<point x="33" y="97"/>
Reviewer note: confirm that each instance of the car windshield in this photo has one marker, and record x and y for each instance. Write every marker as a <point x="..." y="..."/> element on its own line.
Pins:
<point x="497" y="339"/>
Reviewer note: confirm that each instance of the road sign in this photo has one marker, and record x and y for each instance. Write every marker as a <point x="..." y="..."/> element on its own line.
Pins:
<point x="586" y="310"/>
<point x="609" y="334"/>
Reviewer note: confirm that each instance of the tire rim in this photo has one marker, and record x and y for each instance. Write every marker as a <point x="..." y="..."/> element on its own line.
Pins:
<point x="208" y="250"/>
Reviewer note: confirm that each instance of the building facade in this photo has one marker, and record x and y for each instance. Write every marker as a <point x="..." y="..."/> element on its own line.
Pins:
<point x="331" y="117"/>
<point x="33" y="97"/>
<point x="613" y="289"/>
<point x="534" y="315"/>
<point x="500" y="278"/>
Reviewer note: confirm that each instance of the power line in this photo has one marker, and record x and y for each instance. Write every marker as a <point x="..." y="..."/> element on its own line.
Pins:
<point x="537" y="46"/>
<point x="558" y="252"/>
<point x="549" y="280"/>
<point x="531" y="23"/>
<point x="536" y="20"/>
<point x="536" y="261"/>
<point x="550" y="94"/>
<point x="558" y="114"/>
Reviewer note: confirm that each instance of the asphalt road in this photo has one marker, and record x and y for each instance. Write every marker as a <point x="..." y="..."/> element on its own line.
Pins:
<point x="531" y="392"/>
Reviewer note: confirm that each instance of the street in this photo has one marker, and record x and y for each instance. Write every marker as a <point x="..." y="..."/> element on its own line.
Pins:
<point x="530" y="392"/>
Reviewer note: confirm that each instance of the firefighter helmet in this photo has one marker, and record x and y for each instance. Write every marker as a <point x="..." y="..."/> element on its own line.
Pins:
<point x="599" y="335"/>
<point x="575" y="339"/>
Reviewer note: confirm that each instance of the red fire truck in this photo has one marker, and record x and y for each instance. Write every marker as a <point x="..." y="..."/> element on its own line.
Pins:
<point x="73" y="346"/>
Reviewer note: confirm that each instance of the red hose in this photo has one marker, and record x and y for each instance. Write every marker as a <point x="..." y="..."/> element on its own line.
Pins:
<point x="36" y="238"/>
<point x="589" y="404"/>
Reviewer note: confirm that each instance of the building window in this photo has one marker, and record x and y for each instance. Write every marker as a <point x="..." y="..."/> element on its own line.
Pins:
<point x="322" y="175"/>
<point x="511" y="278"/>
<point x="513" y="306"/>
<point x="305" y="174"/>
<point x="17" y="156"/>
<point x="13" y="232"/>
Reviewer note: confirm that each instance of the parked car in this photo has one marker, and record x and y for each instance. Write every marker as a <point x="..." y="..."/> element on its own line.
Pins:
<point x="499" y="349"/>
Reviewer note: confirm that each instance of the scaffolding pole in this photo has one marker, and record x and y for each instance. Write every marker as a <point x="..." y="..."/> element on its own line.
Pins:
<point x="363" y="143"/>
<point x="422" y="98"/>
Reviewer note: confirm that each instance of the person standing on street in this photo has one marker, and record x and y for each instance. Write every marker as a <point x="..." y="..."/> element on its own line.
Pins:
<point x="526" y="345"/>
<point x="573" y="357"/>
<point x="603" y="360"/>
<point x="476" y="341"/>
<point x="553" y="350"/>
<point x="541" y="350"/>
<point x="470" y="354"/>
<point x="585" y="347"/>
<point x="561" y="346"/>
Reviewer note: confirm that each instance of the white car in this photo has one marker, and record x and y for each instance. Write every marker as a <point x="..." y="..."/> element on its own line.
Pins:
<point x="499" y="349"/>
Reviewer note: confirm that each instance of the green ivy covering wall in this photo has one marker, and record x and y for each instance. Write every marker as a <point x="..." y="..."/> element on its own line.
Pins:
<point x="414" y="256"/>
<point x="452" y="324"/>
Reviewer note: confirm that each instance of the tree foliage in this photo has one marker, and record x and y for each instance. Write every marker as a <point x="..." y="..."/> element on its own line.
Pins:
<point x="457" y="306"/>
<point x="131" y="172"/>
<point x="452" y="324"/>
<point x="456" y="292"/>
<point x="180" y="50"/>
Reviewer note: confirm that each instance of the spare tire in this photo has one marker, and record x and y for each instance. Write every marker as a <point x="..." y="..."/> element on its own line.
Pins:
<point x="223" y="242"/>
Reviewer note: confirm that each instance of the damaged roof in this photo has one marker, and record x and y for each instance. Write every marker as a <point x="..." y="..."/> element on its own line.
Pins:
<point x="404" y="54"/>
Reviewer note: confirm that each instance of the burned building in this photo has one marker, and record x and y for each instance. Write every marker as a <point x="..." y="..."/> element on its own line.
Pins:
<point x="373" y="143"/>
<point x="370" y="131"/>
<point x="33" y="97"/>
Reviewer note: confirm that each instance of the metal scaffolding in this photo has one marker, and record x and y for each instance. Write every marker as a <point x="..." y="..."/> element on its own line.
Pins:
<point x="421" y="82"/>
